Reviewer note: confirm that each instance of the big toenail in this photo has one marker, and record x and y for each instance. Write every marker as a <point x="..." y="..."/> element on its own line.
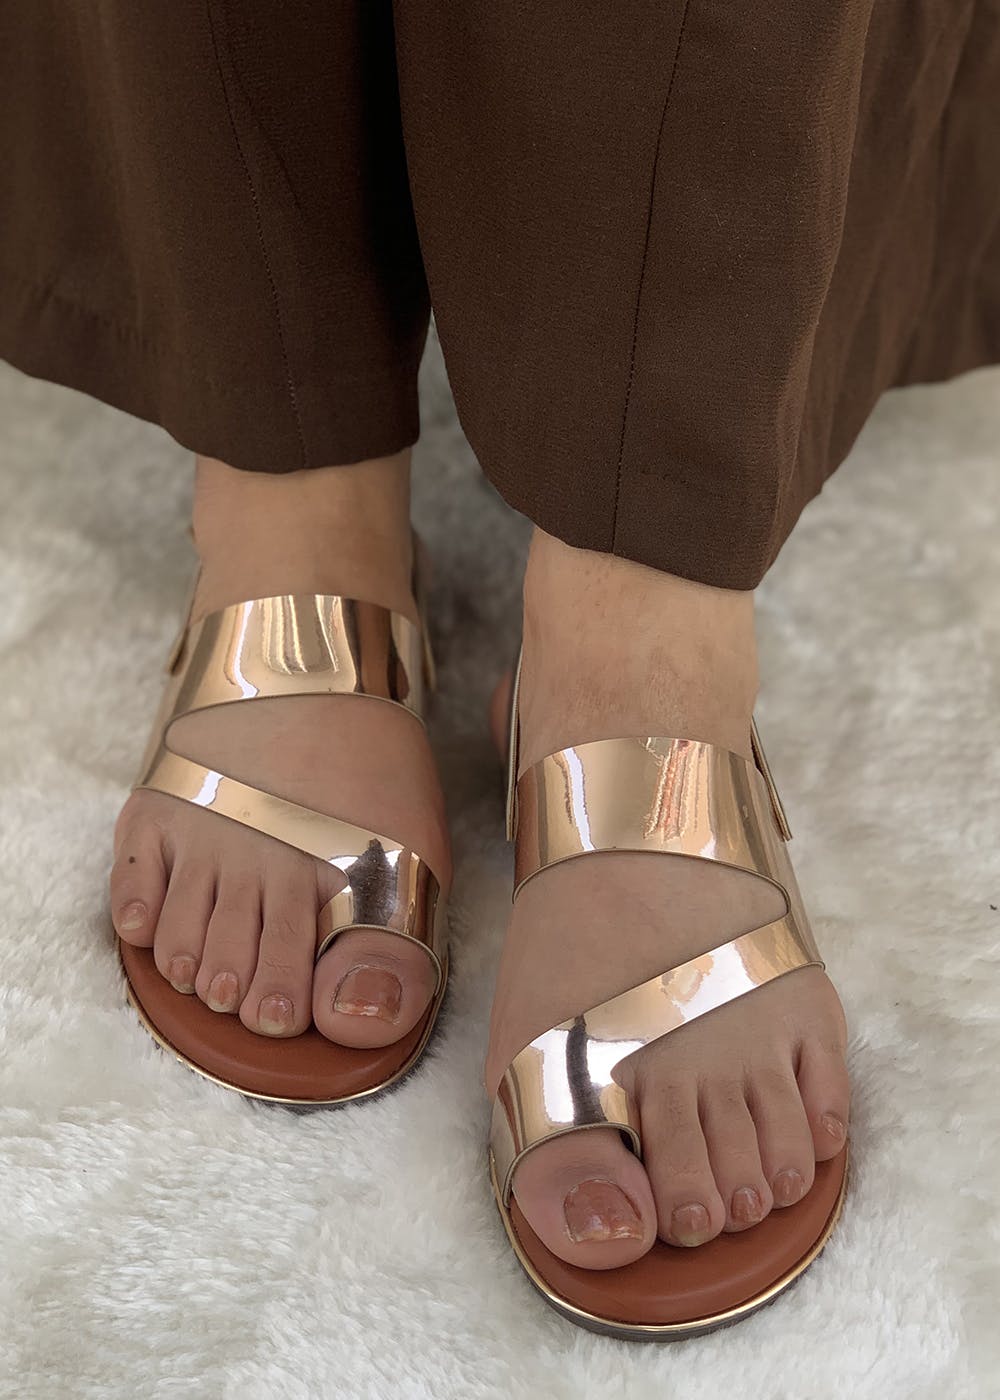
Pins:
<point x="181" y="972"/>
<point x="275" y="1015"/>
<point x="132" y="917"/>
<point x="600" y="1210"/>
<point x="787" y="1187"/>
<point x="747" y="1207"/>
<point x="690" y="1224"/>
<point x="223" y="992"/>
<point x="369" y="991"/>
<point x="833" y="1126"/>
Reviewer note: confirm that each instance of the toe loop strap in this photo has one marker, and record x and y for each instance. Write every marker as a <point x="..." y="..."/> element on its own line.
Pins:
<point x="564" y="1080"/>
<point x="389" y="889"/>
<point x="522" y="1119"/>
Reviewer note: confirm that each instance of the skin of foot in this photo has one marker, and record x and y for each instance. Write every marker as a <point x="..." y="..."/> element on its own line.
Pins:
<point x="736" y="1109"/>
<point x="231" y="915"/>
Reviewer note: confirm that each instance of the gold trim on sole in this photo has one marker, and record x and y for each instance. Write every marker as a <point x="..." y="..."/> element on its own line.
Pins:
<point x="379" y="1088"/>
<point x="661" y="1332"/>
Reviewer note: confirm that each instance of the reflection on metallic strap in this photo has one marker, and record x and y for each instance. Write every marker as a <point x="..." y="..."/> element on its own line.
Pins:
<point x="299" y="644"/>
<point x="311" y="644"/>
<point x="675" y="797"/>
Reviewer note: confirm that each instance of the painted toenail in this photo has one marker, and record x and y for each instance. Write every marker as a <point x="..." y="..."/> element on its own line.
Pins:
<point x="223" y="992"/>
<point x="181" y="972"/>
<point x="833" y="1126"/>
<point x="788" y="1187"/>
<point x="747" y="1207"/>
<point x="275" y="1015"/>
<point x="369" y="991"/>
<point x="600" y="1210"/>
<point x="132" y="917"/>
<point x="690" y="1224"/>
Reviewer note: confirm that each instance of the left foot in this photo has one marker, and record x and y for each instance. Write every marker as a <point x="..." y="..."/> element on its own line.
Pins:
<point x="737" y="1108"/>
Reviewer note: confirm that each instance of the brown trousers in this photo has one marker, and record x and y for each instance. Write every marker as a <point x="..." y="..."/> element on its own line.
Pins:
<point x="676" y="248"/>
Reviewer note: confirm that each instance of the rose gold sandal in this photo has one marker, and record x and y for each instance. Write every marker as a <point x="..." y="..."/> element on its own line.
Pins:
<point x="301" y="644"/>
<point x="675" y="797"/>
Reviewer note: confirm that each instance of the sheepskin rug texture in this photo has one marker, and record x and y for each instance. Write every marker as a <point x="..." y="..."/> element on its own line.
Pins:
<point x="162" y="1237"/>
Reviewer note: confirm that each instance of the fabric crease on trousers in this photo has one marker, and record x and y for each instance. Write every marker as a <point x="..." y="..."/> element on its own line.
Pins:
<point x="675" y="251"/>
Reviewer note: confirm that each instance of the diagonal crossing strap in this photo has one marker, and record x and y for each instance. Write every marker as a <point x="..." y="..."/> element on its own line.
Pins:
<point x="564" y="1080"/>
<point x="305" y="644"/>
<point x="675" y="797"/>
<point x="387" y="886"/>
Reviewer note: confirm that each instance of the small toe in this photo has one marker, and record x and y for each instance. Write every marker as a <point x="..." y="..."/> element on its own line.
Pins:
<point x="279" y="999"/>
<point x="183" y="921"/>
<point x="733" y="1150"/>
<point x="689" y="1209"/>
<point x="783" y="1135"/>
<point x="371" y="988"/>
<point x="138" y="884"/>
<point x="588" y="1199"/>
<point x="231" y="947"/>
<point x="825" y="1091"/>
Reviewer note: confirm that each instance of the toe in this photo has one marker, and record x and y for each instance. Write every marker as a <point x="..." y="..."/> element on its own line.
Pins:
<point x="371" y="988"/>
<point x="689" y="1209"/>
<point x="588" y="1199"/>
<point x="823" y="1085"/>
<point x="138" y="884"/>
<point x="231" y="944"/>
<point x="279" y="999"/>
<point x="180" y="929"/>
<point x="783" y="1136"/>
<point x="733" y="1151"/>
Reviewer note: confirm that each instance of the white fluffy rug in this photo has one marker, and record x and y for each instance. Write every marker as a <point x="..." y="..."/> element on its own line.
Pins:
<point x="163" y="1238"/>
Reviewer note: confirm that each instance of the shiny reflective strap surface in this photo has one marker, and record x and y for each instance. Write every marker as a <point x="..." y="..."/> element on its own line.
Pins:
<point x="305" y="644"/>
<point x="298" y="644"/>
<point x="672" y="797"/>
<point x="563" y="1080"/>
<point x="676" y="796"/>
<point x="387" y="886"/>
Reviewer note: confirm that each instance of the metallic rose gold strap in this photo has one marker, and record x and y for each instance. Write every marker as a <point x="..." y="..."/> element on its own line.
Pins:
<point x="387" y="886"/>
<point x="671" y="796"/>
<point x="306" y="644"/>
<point x="677" y="797"/>
<point x="563" y="1081"/>
<point x="298" y="644"/>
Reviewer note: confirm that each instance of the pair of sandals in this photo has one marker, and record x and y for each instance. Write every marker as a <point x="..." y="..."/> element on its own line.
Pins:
<point x="660" y="795"/>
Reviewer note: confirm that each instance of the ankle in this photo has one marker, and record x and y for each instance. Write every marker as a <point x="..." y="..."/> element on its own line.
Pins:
<point x="612" y="648"/>
<point x="331" y="530"/>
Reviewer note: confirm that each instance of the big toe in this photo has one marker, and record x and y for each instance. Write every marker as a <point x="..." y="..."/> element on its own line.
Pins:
<point x="371" y="988"/>
<point x="588" y="1199"/>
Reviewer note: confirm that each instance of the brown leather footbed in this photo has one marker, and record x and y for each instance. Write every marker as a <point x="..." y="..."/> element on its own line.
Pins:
<point x="671" y="1285"/>
<point x="306" y="1068"/>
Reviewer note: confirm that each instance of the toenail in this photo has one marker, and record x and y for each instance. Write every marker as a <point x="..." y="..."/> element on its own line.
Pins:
<point x="600" y="1210"/>
<point x="133" y="916"/>
<point x="833" y="1126"/>
<point x="747" y="1207"/>
<point x="181" y="972"/>
<point x="369" y="991"/>
<point x="275" y="1015"/>
<point x="223" y="992"/>
<point x="788" y="1187"/>
<point x="690" y="1224"/>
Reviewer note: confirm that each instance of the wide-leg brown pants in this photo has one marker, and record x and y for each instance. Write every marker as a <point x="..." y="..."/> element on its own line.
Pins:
<point x="676" y="248"/>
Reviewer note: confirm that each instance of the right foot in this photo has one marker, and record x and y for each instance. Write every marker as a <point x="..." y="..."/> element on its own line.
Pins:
<point x="231" y="914"/>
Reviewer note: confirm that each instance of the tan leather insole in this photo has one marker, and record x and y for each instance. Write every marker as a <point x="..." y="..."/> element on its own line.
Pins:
<point x="306" y="1068"/>
<point x="671" y="1285"/>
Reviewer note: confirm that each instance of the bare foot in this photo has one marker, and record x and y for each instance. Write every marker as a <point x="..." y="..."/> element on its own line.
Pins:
<point x="737" y="1108"/>
<point x="230" y="913"/>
